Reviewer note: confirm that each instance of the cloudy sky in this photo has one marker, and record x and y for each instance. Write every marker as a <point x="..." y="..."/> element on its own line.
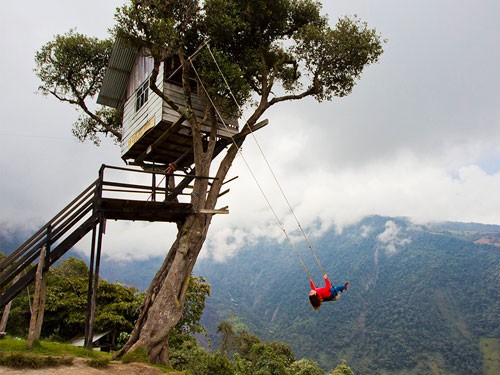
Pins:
<point x="418" y="137"/>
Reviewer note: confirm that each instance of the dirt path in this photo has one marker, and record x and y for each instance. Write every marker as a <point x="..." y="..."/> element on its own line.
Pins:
<point x="79" y="367"/>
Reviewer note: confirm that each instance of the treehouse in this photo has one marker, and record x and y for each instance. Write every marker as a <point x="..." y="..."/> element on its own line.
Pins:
<point x="152" y="131"/>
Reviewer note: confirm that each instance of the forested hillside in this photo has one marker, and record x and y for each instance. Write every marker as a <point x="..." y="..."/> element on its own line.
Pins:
<point x="421" y="297"/>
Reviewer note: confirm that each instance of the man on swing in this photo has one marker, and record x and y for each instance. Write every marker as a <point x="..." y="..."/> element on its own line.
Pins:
<point x="327" y="293"/>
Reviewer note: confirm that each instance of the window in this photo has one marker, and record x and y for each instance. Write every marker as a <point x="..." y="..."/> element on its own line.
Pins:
<point x="142" y="95"/>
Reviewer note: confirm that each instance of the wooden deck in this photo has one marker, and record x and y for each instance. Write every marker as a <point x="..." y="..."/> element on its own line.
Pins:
<point x="167" y="142"/>
<point x="126" y="194"/>
<point x="135" y="210"/>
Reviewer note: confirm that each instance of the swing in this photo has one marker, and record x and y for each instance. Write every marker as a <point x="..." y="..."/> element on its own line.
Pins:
<point x="329" y="297"/>
<point x="171" y="168"/>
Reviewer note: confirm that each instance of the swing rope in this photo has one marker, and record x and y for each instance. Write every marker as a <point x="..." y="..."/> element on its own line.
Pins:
<point x="171" y="167"/>
<point x="269" y="165"/>
<point x="280" y="224"/>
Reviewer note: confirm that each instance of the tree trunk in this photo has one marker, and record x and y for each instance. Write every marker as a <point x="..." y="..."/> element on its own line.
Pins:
<point x="163" y="306"/>
<point x="164" y="302"/>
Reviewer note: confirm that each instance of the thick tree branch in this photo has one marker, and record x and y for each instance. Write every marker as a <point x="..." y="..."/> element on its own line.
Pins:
<point x="157" y="91"/>
<point x="81" y="103"/>
<point x="278" y="99"/>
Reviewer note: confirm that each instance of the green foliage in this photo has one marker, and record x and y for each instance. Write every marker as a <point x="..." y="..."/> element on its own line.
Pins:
<point x="342" y="369"/>
<point x="14" y="352"/>
<point x="138" y="355"/>
<point x="10" y="344"/>
<point x="66" y="305"/>
<point x="117" y="307"/>
<point x="196" y="295"/>
<point x="491" y="355"/>
<point x="266" y="361"/>
<point x="29" y="360"/>
<point x="244" y="354"/>
<point x="227" y="341"/>
<point x="305" y="367"/>
<point x="290" y="43"/>
<point x="98" y="362"/>
<point x="271" y="51"/>
<point x="167" y="26"/>
<point x="423" y="307"/>
<point x="190" y="356"/>
<point x="71" y="68"/>
<point x="71" y="59"/>
<point x="349" y="48"/>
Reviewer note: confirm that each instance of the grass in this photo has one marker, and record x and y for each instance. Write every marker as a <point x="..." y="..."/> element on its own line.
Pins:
<point x="14" y="352"/>
<point x="138" y="355"/>
<point x="491" y="355"/>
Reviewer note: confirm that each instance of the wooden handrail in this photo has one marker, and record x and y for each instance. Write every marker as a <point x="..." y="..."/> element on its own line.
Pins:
<point x="75" y="220"/>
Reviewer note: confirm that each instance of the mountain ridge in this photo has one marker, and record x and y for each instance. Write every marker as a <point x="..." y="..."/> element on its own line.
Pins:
<point x="422" y="297"/>
<point x="405" y="310"/>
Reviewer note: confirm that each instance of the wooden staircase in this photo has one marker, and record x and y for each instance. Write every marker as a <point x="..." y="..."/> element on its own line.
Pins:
<point x="106" y="198"/>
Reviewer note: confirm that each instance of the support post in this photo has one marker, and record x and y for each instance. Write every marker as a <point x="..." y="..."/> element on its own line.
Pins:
<point x="6" y="310"/>
<point x="38" y="300"/>
<point x="95" y="282"/>
<point x="93" y="268"/>
<point x="153" y="182"/>
<point x="88" y="338"/>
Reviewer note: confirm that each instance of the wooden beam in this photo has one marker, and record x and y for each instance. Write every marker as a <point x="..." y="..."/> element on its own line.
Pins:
<point x="224" y="192"/>
<point x="220" y="146"/>
<point x="172" y="129"/>
<point x="223" y="210"/>
<point x="231" y="179"/>
<point x="250" y="129"/>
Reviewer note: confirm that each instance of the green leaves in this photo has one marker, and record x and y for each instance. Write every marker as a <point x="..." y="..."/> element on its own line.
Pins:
<point x="268" y="51"/>
<point x="197" y="293"/>
<point x="164" y="27"/>
<point x="72" y="66"/>
<point x="335" y="58"/>
<point x="288" y="46"/>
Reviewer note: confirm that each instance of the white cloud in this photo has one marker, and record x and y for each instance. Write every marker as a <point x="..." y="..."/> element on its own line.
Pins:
<point x="391" y="239"/>
<point x="418" y="137"/>
<point x="125" y="240"/>
<point x="365" y="230"/>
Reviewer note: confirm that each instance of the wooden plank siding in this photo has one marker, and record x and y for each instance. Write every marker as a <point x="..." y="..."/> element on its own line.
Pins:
<point x="198" y="101"/>
<point x="134" y="120"/>
<point x="152" y="125"/>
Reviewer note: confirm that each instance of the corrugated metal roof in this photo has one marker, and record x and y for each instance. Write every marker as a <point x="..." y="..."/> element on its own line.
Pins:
<point x="114" y="84"/>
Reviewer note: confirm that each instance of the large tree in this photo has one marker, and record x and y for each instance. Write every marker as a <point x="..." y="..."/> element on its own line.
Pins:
<point x="268" y="51"/>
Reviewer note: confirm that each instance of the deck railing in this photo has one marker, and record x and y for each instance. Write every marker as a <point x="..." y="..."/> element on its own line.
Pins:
<point x="80" y="216"/>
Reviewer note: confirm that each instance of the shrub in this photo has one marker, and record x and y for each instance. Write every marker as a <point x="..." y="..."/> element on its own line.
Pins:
<point x="34" y="361"/>
<point x="138" y="355"/>
<point x="98" y="362"/>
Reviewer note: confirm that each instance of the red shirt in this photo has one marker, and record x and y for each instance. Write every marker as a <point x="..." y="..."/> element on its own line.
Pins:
<point x="324" y="292"/>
